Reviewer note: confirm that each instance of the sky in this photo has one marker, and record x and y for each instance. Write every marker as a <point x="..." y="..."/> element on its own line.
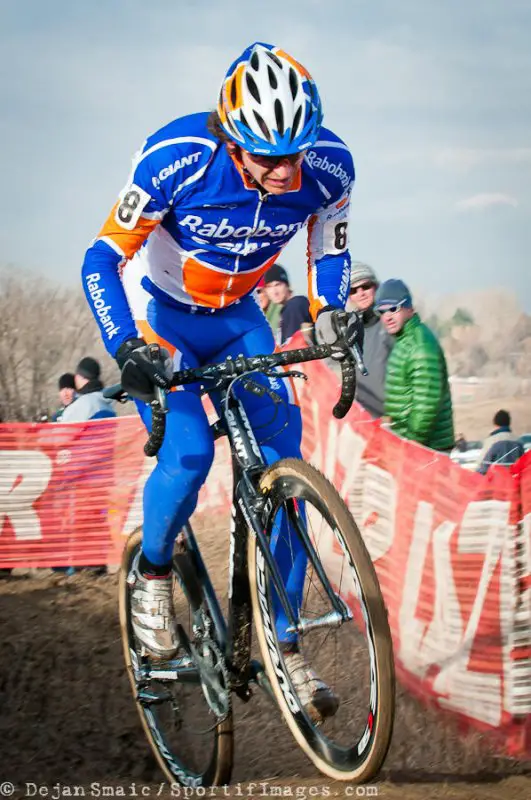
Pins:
<point x="434" y="100"/>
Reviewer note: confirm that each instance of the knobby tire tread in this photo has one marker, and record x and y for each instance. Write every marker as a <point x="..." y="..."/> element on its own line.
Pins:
<point x="321" y="486"/>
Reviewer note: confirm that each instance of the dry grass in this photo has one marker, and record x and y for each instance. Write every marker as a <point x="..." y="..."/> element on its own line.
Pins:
<point x="475" y="419"/>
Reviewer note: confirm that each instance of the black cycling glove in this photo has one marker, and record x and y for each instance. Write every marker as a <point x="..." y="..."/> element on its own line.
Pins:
<point x="327" y="330"/>
<point x="140" y="374"/>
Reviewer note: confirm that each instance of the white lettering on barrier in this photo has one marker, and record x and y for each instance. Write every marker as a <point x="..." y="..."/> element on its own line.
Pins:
<point x="443" y="642"/>
<point x="369" y="491"/>
<point x="412" y="629"/>
<point x="350" y="450"/>
<point x="378" y="510"/>
<point x="24" y="476"/>
<point x="515" y="616"/>
<point x="483" y="531"/>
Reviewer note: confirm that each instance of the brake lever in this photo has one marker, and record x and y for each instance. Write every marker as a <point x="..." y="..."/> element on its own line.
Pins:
<point x="358" y="358"/>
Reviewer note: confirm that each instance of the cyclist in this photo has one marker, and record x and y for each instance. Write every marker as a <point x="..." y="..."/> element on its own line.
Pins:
<point x="211" y="201"/>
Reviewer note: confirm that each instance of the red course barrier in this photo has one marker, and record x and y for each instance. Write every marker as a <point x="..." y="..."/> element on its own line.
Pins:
<point x="451" y="547"/>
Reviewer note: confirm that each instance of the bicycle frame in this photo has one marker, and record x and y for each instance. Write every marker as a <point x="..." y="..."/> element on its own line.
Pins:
<point x="246" y="514"/>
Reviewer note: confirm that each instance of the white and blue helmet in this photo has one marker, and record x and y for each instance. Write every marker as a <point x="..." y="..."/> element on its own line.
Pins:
<point x="269" y="103"/>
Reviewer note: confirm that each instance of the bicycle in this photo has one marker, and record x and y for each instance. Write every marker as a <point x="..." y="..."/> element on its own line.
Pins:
<point x="214" y="661"/>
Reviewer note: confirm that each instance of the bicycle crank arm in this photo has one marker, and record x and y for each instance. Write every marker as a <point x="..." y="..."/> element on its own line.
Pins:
<point x="333" y="619"/>
<point x="181" y="669"/>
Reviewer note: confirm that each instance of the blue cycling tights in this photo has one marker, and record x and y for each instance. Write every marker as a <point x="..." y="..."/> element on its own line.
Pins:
<point x="185" y="458"/>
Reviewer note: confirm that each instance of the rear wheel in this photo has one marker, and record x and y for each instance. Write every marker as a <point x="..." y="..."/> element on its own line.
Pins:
<point x="354" y="657"/>
<point x="192" y="746"/>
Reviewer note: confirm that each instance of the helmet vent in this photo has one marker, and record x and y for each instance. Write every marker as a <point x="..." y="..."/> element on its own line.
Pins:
<point x="253" y="88"/>
<point x="279" y="116"/>
<point x="230" y="124"/>
<point x="262" y="125"/>
<point x="275" y="59"/>
<point x="272" y="78"/>
<point x="243" y="119"/>
<point x="255" y="61"/>
<point x="233" y="92"/>
<point x="296" y="120"/>
<point x="293" y="83"/>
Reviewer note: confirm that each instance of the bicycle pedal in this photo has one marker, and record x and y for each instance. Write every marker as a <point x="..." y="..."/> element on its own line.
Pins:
<point x="259" y="676"/>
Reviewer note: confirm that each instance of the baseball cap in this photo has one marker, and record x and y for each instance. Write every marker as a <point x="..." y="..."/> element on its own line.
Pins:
<point x="393" y="292"/>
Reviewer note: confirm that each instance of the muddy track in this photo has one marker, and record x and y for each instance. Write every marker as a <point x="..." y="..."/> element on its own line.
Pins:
<point x="67" y="716"/>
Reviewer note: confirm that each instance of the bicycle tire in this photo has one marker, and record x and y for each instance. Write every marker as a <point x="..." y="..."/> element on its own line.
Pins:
<point x="296" y="479"/>
<point x="219" y="768"/>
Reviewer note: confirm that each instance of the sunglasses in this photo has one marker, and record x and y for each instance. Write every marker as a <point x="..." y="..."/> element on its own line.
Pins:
<point x="273" y="161"/>
<point x="390" y="309"/>
<point x="363" y="286"/>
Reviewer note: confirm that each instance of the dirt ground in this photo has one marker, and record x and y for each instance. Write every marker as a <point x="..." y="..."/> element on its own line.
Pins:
<point x="475" y="419"/>
<point x="67" y="716"/>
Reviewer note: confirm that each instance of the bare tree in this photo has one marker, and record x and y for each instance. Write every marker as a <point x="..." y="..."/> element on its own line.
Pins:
<point x="44" y="331"/>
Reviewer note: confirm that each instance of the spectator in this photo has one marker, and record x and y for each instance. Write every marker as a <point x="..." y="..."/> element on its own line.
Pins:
<point x="500" y="446"/>
<point x="377" y="343"/>
<point x="271" y="310"/>
<point x="417" y="393"/>
<point x="294" y="310"/>
<point x="460" y="443"/>
<point x="67" y="393"/>
<point x="90" y="402"/>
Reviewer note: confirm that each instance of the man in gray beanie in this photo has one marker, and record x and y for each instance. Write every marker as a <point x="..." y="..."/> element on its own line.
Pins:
<point x="377" y="343"/>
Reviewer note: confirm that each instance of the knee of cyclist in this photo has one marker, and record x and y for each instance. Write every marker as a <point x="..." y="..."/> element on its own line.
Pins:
<point x="189" y="468"/>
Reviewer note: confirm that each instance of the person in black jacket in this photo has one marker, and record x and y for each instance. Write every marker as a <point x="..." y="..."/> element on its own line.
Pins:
<point x="295" y="310"/>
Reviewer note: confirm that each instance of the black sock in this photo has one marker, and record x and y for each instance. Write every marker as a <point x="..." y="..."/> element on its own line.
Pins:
<point x="149" y="570"/>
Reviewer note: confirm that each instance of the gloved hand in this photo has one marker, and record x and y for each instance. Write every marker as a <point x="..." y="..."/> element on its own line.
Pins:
<point x="140" y="374"/>
<point x="329" y="329"/>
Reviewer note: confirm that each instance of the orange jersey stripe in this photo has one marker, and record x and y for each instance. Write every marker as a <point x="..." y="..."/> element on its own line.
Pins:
<point x="215" y="289"/>
<point x="128" y="241"/>
<point x="151" y="337"/>
<point x="315" y="303"/>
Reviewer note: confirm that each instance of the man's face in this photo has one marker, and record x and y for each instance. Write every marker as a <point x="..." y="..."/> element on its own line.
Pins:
<point x="394" y="317"/>
<point x="66" y="395"/>
<point x="361" y="296"/>
<point x="275" y="174"/>
<point x="278" y="292"/>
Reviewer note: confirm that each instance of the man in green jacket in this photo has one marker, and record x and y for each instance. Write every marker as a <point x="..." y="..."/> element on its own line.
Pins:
<point x="417" y="393"/>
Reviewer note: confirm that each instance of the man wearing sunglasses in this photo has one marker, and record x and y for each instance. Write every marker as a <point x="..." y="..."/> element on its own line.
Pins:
<point x="377" y="343"/>
<point x="211" y="201"/>
<point x="417" y="393"/>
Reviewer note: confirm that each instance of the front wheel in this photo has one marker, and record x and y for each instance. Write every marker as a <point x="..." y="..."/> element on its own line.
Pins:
<point x="355" y="657"/>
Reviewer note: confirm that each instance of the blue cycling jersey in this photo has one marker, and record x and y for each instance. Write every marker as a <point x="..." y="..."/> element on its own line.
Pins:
<point x="193" y="230"/>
